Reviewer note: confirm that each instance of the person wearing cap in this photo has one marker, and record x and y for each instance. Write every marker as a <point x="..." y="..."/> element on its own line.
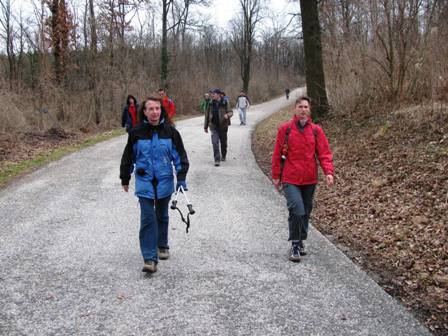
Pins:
<point x="217" y="119"/>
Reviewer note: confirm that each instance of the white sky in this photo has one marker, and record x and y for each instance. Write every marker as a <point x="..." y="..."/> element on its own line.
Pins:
<point x="222" y="11"/>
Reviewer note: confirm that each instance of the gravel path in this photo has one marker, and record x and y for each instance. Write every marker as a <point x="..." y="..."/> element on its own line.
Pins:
<point x="70" y="261"/>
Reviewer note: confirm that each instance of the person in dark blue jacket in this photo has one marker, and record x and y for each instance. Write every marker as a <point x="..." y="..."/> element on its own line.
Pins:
<point x="154" y="147"/>
<point x="129" y="118"/>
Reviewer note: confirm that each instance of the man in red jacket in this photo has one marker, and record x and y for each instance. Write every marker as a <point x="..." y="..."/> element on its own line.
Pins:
<point x="167" y="104"/>
<point x="294" y="169"/>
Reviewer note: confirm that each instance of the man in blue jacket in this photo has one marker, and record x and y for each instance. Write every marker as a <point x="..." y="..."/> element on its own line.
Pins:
<point x="154" y="147"/>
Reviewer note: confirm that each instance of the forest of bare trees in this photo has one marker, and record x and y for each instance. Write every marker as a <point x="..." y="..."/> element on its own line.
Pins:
<point x="384" y="53"/>
<point x="72" y="63"/>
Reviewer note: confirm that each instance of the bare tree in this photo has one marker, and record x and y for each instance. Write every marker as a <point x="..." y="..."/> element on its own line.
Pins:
<point x="164" y="57"/>
<point x="8" y="36"/>
<point x="243" y="37"/>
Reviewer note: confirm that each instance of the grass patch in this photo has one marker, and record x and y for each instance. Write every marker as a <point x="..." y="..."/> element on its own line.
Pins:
<point x="14" y="169"/>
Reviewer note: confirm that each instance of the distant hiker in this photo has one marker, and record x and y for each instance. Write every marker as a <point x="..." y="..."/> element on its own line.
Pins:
<point x="203" y="106"/>
<point x="217" y="118"/>
<point x="129" y="115"/>
<point x="225" y="98"/>
<point x="242" y="104"/>
<point x="294" y="169"/>
<point x="287" y="93"/>
<point x="168" y="104"/>
<point x="154" y="147"/>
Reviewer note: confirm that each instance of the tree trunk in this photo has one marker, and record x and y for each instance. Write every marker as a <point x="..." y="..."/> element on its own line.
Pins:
<point x="314" y="69"/>
<point x="164" y="47"/>
<point x="93" y="64"/>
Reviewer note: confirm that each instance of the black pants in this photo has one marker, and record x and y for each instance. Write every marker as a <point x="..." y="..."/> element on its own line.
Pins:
<point x="219" y="137"/>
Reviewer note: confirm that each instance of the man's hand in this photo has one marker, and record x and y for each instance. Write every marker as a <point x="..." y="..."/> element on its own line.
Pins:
<point x="330" y="180"/>
<point x="206" y="130"/>
<point x="126" y="188"/>
<point x="183" y="184"/>
<point x="276" y="182"/>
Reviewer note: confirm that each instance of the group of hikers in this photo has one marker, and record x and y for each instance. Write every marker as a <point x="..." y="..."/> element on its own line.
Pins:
<point x="155" y="150"/>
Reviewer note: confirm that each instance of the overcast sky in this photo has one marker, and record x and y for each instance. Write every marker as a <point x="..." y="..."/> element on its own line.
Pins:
<point x="223" y="10"/>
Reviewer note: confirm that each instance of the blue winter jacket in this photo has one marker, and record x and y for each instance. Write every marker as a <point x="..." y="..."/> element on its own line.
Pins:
<point x="156" y="152"/>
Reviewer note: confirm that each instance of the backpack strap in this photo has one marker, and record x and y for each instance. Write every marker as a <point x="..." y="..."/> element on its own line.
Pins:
<point x="284" y="152"/>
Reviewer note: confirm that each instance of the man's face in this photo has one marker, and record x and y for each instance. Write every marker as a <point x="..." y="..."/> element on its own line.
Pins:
<point x="302" y="109"/>
<point x="216" y="96"/>
<point x="162" y="93"/>
<point x="152" y="111"/>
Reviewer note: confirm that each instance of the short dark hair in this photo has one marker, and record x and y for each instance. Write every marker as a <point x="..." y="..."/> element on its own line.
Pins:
<point x="308" y="99"/>
<point x="141" y="114"/>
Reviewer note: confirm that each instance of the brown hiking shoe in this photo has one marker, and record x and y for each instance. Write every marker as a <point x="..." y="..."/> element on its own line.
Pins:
<point x="164" y="253"/>
<point x="149" y="266"/>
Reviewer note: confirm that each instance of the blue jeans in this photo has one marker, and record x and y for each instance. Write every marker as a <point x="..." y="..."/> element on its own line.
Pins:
<point x="242" y="112"/>
<point x="299" y="200"/>
<point x="153" y="226"/>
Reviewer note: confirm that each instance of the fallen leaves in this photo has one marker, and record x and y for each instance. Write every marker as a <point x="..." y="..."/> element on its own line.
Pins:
<point x="389" y="206"/>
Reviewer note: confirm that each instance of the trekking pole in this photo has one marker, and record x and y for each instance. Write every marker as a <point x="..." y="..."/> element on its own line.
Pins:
<point x="189" y="206"/>
<point x="174" y="201"/>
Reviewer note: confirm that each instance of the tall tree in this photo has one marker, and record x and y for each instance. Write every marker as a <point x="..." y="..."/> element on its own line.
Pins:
<point x="60" y="26"/>
<point x="93" y="58"/>
<point x="164" y="47"/>
<point x="244" y="36"/>
<point x="314" y="68"/>
<point x="8" y="37"/>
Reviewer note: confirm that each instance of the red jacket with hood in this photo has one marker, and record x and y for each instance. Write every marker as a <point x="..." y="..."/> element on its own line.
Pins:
<point x="304" y="147"/>
<point x="169" y="107"/>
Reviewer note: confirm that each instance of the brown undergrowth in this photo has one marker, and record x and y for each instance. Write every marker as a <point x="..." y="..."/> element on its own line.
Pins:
<point x="389" y="208"/>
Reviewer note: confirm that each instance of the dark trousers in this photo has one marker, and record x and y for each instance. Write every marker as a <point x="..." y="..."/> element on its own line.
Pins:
<point x="219" y="137"/>
<point x="299" y="200"/>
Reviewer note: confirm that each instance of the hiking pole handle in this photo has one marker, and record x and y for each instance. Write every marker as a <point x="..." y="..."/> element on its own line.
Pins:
<point x="190" y="209"/>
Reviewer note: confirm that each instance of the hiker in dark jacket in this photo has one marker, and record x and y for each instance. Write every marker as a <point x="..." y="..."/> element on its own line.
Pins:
<point x="217" y="118"/>
<point x="129" y="118"/>
<point x="294" y="167"/>
<point x="154" y="147"/>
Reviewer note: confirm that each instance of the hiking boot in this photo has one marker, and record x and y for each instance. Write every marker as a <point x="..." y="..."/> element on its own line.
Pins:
<point x="164" y="253"/>
<point x="302" y="250"/>
<point x="294" y="254"/>
<point x="216" y="163"/>
<point x="149" y="266"/>
<point x="223" y="158"/>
